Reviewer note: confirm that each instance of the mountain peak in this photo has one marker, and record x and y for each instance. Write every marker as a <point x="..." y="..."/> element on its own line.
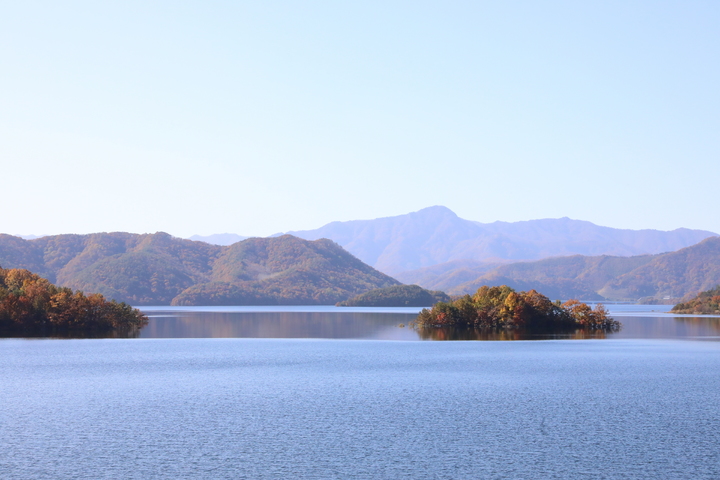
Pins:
<point x="436" y="210"/>
<point x="430" y="216"/>
<point x="436" y="235"/>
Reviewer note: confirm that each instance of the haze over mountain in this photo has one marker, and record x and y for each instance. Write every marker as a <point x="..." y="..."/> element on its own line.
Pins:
<point x="158" y="269"/>
<point x="219" y="238"/>
<point x="671" y="275"/>
<point x="436" y="235"/>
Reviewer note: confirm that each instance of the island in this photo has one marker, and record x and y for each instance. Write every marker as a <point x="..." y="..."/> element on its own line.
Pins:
<point x="30" y="304"/>
<point x="504" y="308"/>
<point x="705" y="303"/>
<point x="396" y="296"/>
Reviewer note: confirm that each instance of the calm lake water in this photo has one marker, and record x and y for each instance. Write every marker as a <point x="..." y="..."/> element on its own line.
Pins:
<point x="639" y="321"/>
<point x="320" y="397"/>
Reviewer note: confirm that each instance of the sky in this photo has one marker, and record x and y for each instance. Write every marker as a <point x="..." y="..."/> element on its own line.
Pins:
<point x="263" y="117"/>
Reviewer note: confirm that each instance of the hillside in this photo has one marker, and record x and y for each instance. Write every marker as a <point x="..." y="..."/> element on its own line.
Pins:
<point x="707" y="302"/>
<point x="284" y="270"/>
<point x="396" y="296"/>
<point x="403" y="244"/>
<point x="668" y="275"/>
<point x="158" y="269"/>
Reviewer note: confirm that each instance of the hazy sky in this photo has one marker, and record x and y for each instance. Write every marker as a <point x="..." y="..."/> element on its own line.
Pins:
<point x="260" y="117"/>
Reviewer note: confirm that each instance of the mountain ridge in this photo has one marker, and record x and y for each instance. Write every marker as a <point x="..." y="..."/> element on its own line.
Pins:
<point x="436" y="235"/>
<point x="158" y="269"/>
<point x="670" y="275"/>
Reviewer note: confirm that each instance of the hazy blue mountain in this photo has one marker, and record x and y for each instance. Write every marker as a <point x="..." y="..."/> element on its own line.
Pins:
<point x="671" y="275"/>
<point x="436" y="235"/>
<point x="446" y="276"/>
<point x="30" y="237"/>
<point x="223" y="239"/>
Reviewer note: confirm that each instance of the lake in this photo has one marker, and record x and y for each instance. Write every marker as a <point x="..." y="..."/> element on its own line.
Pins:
<point x="639" y="321"/>
<point x="314" y="392"/>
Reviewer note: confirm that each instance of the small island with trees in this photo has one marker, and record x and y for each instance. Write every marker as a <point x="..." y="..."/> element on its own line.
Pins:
<point x="396" y="296"/>
<point x="504" y="308"/>
<point x="705" y="303"/>
<point x="31" y="305"/>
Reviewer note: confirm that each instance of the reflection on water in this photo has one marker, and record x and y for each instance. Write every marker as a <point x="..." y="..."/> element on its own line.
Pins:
<point x="338" y="323"/>
<point x="669" y="327"/>
<point x="638" y="321"/>
<point x="454" y="333"/>
<point x="67" y="334"/>
<point x="700" y="322"/>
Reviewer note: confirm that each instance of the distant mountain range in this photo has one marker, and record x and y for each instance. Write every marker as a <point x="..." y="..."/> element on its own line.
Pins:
<point x="159" y="269"/>
<point x="405" y="245"/>
<point x="433" y="248"/>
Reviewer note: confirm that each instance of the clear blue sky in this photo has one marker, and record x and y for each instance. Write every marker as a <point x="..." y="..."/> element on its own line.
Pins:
<point x="260" y="117"/>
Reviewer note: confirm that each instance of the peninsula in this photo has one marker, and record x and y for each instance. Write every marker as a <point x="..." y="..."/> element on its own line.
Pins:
<point x="707" y="302"/>
<point x="31" y="304"/>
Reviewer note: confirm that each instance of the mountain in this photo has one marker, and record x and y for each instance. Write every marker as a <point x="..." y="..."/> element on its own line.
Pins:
<point x="159" y="269"/>
<point x="219" y="238"/>
<point x="284" y="270"/>
<point x="670" y="275"/>
<point x="403" y="244"/>
<point x="688" y="271"/>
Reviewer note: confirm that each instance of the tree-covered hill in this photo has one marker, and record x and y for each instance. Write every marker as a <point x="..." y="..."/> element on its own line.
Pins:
<point x="158" y="269"/>
<point x="397" y="296"/>
<point x="707" y="302"/>
<point x="670" y="275"/>
<point x="687" y="271"/>
<point x="284" y="270"/>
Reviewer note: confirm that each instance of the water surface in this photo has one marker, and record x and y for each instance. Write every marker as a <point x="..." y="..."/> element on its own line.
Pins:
<point x="310" y="392"/>
<point x="639" y="321"/>
<point x="290" y="408"/>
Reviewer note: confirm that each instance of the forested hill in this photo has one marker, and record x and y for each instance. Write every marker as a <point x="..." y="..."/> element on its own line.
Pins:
<point x="158" y="269"/>
<point x="396" y="296"/>
<point x="670" y="275"/>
